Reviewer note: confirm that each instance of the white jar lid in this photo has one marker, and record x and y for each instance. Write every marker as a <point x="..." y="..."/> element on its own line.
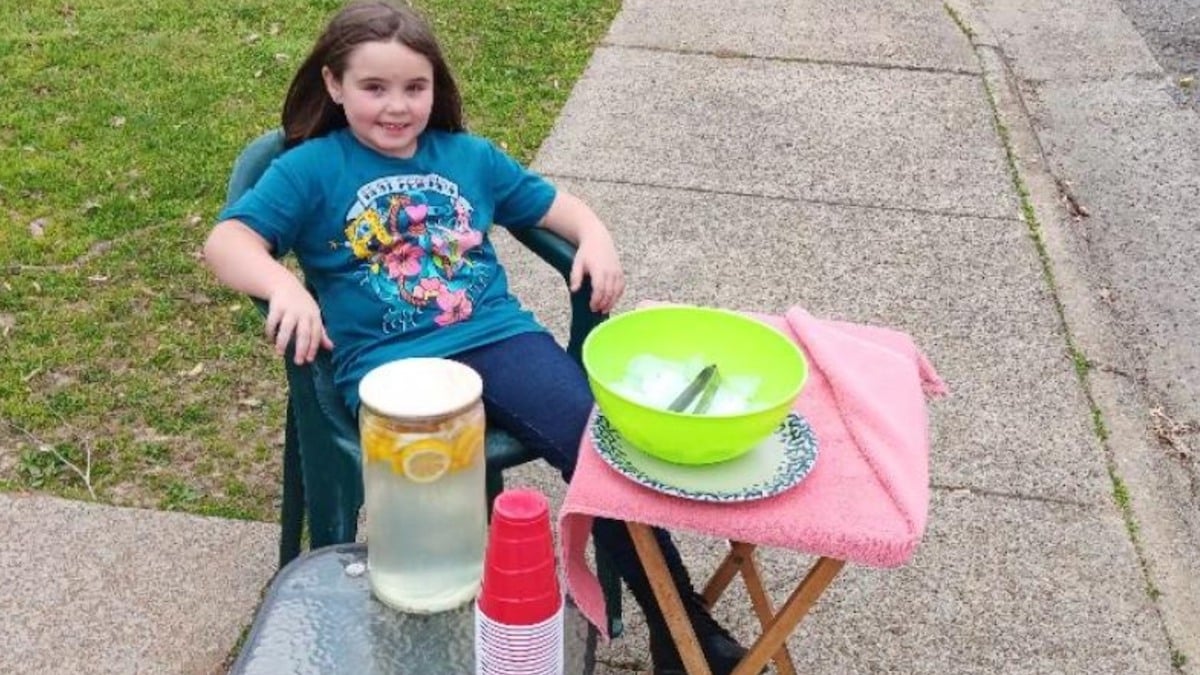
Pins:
<point x="420" y="388"/>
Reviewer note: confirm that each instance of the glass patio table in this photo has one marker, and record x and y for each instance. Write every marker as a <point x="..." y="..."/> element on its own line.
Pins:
<point x="319" y="617"/>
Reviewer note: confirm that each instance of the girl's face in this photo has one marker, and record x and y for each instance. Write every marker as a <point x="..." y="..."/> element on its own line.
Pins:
<point x="387" y="94"/>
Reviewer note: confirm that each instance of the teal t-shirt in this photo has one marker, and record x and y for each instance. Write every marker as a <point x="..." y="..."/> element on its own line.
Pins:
<point x="398" y="249"/>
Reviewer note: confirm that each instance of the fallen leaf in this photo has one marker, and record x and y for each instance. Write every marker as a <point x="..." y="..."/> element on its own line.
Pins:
<point x="250" y="402"/>
<point x="274" y="29"/>
<point x="197" y="298"/>
<point x="1187" y="82"/>
<point x="91" y="205"/>
<point x="194" y="371"/>
<point x="117" y="121"/>
<point x="235" y="307"/>
<point x="38" y="228"/>
<point x="281" y="57"/>
<point x="61" y="380"/>
<point x="194" y="220"/>
<point x="98" y="278"/>
<point x="252" y="38"/>
<point x="7" y="323"/>
<point x="151" y="435"/>
<point x="32" y="374"/>
<point x="258" y="73"/>
<point x="98" y="248"/>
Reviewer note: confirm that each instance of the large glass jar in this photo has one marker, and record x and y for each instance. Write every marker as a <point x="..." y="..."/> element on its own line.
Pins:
<point x="422" y="427"/>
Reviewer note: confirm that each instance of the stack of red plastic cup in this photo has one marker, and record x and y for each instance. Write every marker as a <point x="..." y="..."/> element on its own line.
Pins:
<point x="519" y="612"/>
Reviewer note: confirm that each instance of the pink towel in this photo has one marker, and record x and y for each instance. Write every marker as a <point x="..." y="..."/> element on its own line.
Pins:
<point x="866" y="499"/>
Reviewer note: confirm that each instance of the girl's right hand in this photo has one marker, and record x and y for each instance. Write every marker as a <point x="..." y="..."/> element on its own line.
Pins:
<point x="293" y="313"/>
<point x="242" y="260"/>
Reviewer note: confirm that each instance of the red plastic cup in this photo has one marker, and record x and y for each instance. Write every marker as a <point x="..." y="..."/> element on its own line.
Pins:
<point x="518" y="650"/>
<point x="520" y="578"/>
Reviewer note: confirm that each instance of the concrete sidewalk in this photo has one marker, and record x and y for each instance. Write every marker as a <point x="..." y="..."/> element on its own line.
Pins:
<point x="846" y="157"/>
<point x="97" y="589"/>
<point x="755" y="155"/>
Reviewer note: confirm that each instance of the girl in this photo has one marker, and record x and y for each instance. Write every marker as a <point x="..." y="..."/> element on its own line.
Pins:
<point x="386" y="201"/>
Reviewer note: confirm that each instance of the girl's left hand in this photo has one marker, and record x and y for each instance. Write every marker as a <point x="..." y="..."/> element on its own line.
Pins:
<point x="595" y="255"/>
<point x="597" y="259"/>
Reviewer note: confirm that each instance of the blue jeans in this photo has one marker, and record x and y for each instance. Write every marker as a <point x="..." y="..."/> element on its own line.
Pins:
<point x="537" y="393"/>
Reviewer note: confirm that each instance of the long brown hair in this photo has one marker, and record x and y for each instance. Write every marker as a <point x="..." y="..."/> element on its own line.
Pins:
<point x="308" y="111"/>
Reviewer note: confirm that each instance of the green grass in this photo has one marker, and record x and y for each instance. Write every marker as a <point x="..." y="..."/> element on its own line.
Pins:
<point x="118" y="124"/>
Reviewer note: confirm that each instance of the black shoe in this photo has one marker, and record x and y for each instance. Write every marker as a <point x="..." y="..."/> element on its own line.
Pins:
<point x="720" y="649"/>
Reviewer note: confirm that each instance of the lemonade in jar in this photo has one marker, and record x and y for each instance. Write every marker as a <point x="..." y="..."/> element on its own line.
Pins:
<point x="422" y="430"/>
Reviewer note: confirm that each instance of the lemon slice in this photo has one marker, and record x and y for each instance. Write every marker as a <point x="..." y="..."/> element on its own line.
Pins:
<point x="425" y="461"/>
<point x="377" y="445"/>
<point x="467" y="444"/>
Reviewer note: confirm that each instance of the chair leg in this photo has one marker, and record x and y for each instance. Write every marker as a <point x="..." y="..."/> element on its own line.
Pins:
<point x="495" y="485"/>
<point x="291" y="513"/>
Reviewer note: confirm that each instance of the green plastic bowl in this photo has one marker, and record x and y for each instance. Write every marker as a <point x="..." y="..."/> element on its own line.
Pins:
<point x="739" y="345"/>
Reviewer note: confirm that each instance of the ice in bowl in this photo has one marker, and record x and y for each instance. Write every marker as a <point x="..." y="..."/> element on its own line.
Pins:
<point x="656" y="382"/>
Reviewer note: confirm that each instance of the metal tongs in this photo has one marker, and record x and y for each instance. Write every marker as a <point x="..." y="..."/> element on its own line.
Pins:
<point x="705" y="386"/>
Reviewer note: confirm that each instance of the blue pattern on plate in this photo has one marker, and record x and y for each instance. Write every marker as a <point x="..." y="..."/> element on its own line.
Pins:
<point x="799" y="454"/>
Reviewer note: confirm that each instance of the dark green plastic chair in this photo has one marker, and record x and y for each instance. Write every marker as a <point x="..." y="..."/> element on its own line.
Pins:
<point x="322" y="471"/>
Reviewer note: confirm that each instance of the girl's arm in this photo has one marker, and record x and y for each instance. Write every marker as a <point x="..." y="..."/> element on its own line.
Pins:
<point x="241" y="259"/>
<point x="573" y="220"/>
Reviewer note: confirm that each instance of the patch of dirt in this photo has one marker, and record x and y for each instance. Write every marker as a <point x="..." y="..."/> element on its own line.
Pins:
<point x="1178" y="436"/>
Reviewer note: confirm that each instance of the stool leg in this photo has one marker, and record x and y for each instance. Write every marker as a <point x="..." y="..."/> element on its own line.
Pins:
<point x="725" y="573"/>
<point x="764" y="609"/>
<point x="801" y="600"/>
<point x="668" y="599"/>
<point x="741" y="559"/>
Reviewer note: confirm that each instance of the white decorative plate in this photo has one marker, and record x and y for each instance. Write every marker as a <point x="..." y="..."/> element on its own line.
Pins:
<point x="771" y="467"/>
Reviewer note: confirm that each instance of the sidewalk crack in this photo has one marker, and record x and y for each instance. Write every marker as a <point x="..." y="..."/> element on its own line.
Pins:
<point x="785" y="198"/>
<point x="1010" y="495"/>
<point x="730" y="54"/>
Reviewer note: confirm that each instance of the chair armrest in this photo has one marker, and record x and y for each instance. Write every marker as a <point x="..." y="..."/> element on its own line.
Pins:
<point x="560" y="254"/>
<point x="548" y="246"/>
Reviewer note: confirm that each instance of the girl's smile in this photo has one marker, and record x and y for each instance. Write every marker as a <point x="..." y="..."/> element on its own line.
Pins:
<point x="386" y="92"/>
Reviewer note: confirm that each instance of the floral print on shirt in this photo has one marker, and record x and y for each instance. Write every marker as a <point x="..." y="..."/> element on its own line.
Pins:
<point x="418" y="249"/>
